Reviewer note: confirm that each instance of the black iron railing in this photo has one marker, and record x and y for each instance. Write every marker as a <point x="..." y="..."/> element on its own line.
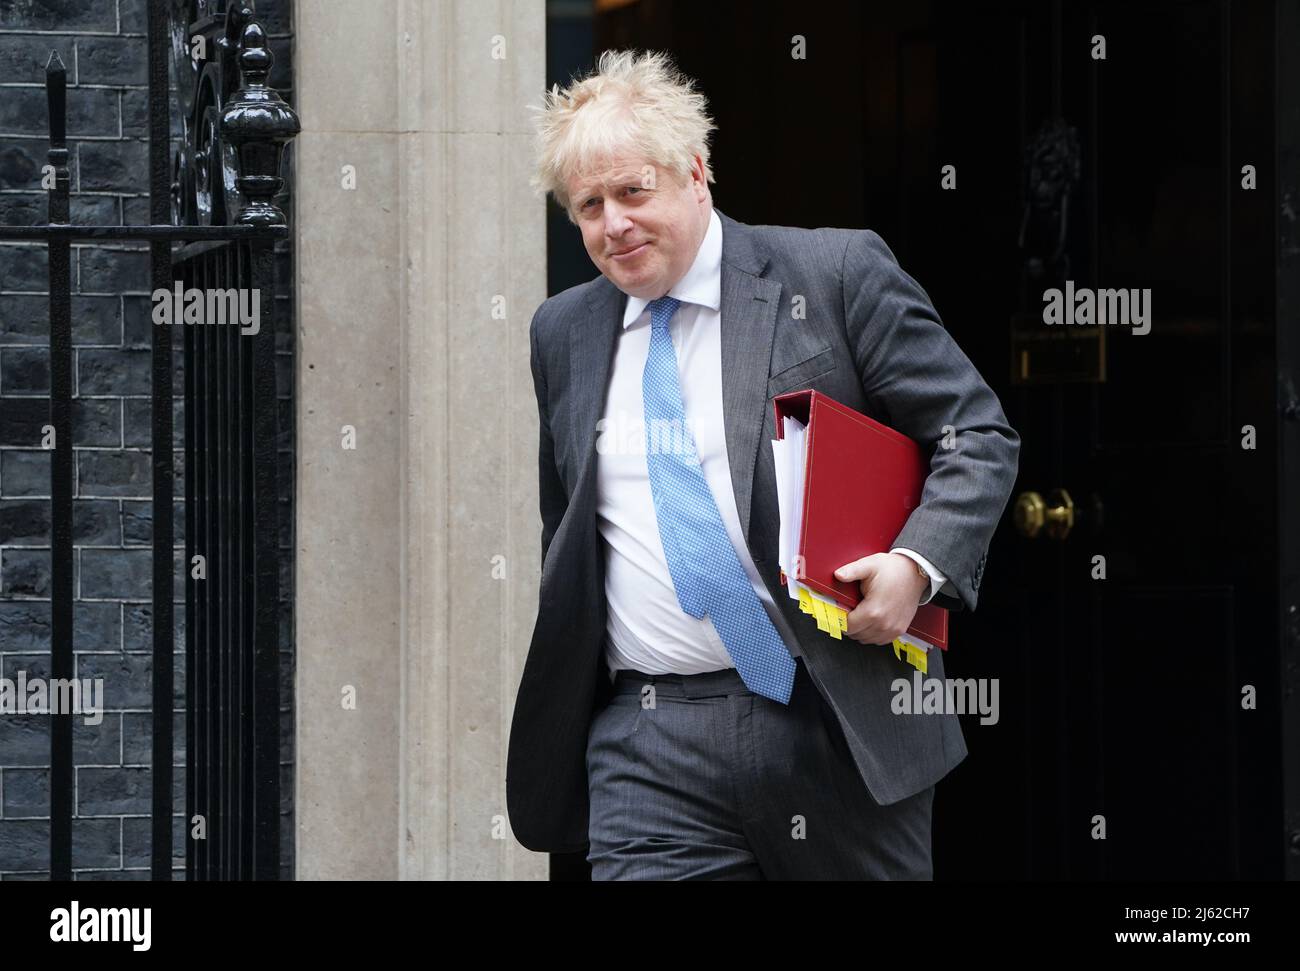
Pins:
<point x="230" y="512"/>
<point x="216" y="197"/>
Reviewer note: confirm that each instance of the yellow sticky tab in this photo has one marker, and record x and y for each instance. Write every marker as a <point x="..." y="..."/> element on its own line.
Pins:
<point x="842" y="616"/>
<point x="916" y="656"/>
<point x="833" y="621"/>
<point x="913" y="655"/>
<point x="819" y="611"/>
<point x="805" y="600"/>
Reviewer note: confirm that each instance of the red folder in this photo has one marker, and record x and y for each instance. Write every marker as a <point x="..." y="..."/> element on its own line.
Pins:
<point x="862" y="480"/>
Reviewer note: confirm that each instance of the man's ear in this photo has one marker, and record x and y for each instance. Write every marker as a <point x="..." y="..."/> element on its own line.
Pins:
<point x="697" y="178"/>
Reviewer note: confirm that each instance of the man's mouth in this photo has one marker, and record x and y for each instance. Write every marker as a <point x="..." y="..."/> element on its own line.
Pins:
<point x="630" y="252"/>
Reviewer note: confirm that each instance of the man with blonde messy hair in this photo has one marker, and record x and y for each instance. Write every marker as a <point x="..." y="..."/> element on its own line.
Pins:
<point x="678" y="717"/>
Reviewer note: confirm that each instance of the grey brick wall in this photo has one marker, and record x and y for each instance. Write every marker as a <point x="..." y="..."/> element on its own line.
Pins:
<point x="102" y="43"/>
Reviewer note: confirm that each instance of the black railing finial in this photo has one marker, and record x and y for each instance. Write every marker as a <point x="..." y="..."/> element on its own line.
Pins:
<point x="257" y="123"/>
<point x="56" y="96"/>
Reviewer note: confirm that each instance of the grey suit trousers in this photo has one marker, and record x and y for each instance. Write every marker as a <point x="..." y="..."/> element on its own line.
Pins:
<point x="714" y="782"/>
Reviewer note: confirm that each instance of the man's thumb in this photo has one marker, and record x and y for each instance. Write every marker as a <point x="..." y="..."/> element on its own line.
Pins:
<point x="857" y="570"/>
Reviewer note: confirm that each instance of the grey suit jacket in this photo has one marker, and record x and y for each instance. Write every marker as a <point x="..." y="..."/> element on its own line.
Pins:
<point x="868" y="337"/>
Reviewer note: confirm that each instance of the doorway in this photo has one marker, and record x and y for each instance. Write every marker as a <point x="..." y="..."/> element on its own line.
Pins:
<point x="1138" y="606"/>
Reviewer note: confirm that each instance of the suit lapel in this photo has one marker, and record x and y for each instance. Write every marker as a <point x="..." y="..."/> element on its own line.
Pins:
<point x="591" y="355"/>
<point x="749" y="307"/>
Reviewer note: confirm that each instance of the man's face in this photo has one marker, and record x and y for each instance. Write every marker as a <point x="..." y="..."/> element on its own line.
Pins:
<point x="642" y="228"/>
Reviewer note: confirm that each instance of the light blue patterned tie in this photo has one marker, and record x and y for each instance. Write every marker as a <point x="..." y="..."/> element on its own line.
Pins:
<point x="706" y="572"/>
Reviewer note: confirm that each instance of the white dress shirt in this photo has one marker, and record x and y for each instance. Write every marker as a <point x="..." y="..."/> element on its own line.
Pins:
<point x="647" y="628"/>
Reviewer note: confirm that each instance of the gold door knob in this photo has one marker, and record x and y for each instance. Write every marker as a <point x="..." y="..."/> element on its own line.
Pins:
<point x="1030" y="513"/>
<point x="1053" y="515"/>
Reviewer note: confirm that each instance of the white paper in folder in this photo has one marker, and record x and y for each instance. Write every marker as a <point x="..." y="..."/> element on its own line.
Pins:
<point x="788" y="460"/>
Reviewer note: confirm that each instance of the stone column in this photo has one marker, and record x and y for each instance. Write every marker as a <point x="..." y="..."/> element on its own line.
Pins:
<point x="418" y="550"/>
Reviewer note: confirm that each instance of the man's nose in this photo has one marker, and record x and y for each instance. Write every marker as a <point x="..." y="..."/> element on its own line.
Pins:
<point x="617" y="223"/>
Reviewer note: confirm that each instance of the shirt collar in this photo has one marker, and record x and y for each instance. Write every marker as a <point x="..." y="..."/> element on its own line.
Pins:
<point x="702" y="283"/>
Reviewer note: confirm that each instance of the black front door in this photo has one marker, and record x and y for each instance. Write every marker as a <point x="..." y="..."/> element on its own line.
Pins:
<point x="1131" y="601"/>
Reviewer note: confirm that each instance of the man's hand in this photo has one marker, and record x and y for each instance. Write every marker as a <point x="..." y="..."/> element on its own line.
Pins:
<point x="891" y="592"/>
